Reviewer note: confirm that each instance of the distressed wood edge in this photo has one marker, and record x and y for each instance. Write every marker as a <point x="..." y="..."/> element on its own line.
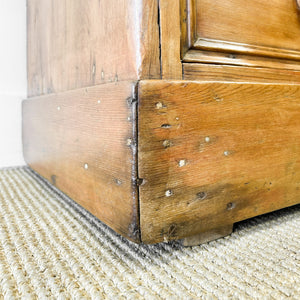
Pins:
<point x="133" y="102"/>
<point x="135" y="233"/>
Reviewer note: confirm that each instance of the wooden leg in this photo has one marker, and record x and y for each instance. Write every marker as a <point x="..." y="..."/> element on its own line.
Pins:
<point x="207" y="236"/>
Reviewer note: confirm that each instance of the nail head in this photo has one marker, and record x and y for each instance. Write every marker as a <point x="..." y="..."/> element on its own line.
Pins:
<point x="169" y="193"/>
<point x="182" y="163"/>
<point x="167" y="144"/>
<point x="159" y="105"/>
<point x="118" y="181"/>
<point x="230" y="206"/>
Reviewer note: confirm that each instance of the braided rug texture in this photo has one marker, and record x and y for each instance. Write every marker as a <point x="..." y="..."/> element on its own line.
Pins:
<point x="50" y="248"/>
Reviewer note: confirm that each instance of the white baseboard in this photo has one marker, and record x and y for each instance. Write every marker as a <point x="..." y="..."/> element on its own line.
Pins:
<point x="11" y="131"/>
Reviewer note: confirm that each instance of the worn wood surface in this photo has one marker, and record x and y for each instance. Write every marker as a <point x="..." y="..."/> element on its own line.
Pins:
<point x="75" y="44"/>
<point x="211" y="154"/>
<point x="83" y="142"/>
<point x="171" y="67"/>
<point x="244" y="26"/>
<point x="223" y="73"/>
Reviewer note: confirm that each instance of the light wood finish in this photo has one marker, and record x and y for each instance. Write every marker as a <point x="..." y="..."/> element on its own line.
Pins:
<point x="188" y="22"/>
<point x="210" y="72"/>
<point x="232" y="47"/>
<point x="83" y="142"/>
<point x="233" y="32"/>
<point x="197" y="56"/>
<point x="207" y="236"/>
<point x="244" y="26"/>
<point x="171" y="67"/>
<point x="212" y="154"/>
<point x="198" y="154"/>
<point x="149" y="41"/>
<point x="75" y="44"/>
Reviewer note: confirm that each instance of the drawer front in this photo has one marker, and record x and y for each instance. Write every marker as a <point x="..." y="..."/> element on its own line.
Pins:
<point x="257" y="27"/>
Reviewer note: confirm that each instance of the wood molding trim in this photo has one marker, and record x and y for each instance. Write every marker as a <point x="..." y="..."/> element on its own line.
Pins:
<point x="225" y="46"/>
<point x="195" y="48"/>
<point x="223" y="73"/>
<point x="209" y="57"/>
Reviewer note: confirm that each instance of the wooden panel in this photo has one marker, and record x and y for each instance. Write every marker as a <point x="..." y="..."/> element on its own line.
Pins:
<point x="171" y="67"/>
<point x="211" y="154"/>
<point x="244" y="26"/>
<point x="75" y="44"/>
<point x="83" y="141"/>
<point x="209" y="72"/>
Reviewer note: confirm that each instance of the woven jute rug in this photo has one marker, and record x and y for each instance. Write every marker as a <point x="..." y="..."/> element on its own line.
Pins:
<point x="50" y="248"/>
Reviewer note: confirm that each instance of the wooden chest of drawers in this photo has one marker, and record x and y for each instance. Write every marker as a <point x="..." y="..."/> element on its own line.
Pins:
<point x="166" y="119"/>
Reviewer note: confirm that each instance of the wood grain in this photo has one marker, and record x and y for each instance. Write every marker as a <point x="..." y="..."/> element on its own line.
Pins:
<point x="149" y="42"/>
<point x="75" y="44"/>
<point x="211" y="72"/>
<point x="197" y="56"/>
<point x="171" y="67"/>
<point x="208" y="153"/>
<point x="245" y="27"/>
<point x="233" y="47"/>
<point x="211" y="154"/>
<point x="84" y="142"/>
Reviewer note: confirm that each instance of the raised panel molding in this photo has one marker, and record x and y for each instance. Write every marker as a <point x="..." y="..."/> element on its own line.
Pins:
<point x="197" y="48"/>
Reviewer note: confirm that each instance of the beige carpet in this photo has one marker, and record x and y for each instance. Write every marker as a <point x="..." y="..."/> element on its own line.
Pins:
<point x="51" y="248"/>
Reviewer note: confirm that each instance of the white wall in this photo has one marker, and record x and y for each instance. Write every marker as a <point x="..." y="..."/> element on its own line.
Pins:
<point x="12" y="79"/>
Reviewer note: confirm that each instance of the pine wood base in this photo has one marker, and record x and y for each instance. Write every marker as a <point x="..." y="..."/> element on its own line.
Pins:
<point x="167" y="160"/>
